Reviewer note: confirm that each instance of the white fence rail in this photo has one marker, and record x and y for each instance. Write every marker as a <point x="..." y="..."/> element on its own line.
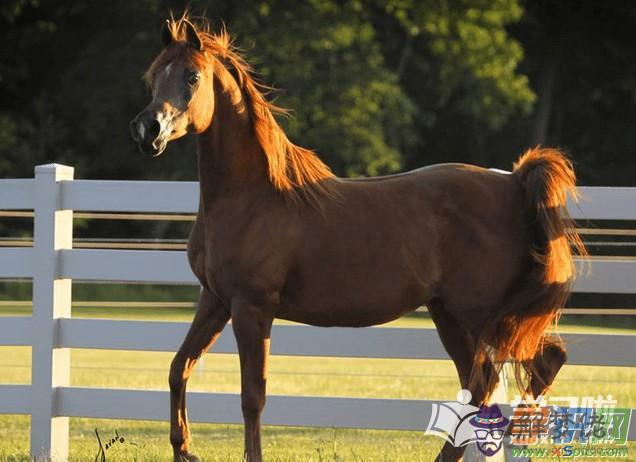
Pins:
<point x="606" y="274"/>
<point x="51" y="332"/>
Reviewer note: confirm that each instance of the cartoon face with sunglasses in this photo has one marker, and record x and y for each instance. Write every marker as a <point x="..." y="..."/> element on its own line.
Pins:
<point x="490" y="428"/>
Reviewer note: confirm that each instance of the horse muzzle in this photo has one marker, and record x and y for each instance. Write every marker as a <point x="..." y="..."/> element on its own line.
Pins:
<point x="146" y="132"/>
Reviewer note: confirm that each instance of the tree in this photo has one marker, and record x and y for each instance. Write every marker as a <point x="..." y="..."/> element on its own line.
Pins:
<point x="367" y="104"/>
<point x="347" y="104"/>
<point x="373" y="82"/>
<point x="457" y="61"/>
<point x="581" y="56"/>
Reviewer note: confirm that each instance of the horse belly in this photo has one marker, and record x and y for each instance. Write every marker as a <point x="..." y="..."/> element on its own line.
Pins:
<point x="353" y="300"/>
<point x="363" y="317"/>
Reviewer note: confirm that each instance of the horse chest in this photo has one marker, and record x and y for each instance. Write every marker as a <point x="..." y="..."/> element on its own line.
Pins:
<point x="224" y="256"/>
<point x="202" y="259"/>
<point x="199" y="253"/>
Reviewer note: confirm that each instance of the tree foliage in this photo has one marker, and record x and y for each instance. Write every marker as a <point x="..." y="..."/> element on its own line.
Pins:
<point x="71" y="77"/>
<point x="473" y="58"/>
<point x="375" y="86"/>
<point x="347" y="104"/>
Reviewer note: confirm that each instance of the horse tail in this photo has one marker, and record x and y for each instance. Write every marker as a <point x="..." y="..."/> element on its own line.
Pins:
<point x="517" y="333"/>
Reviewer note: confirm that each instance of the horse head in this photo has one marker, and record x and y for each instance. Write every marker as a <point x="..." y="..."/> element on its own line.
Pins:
<point x="180" y="81"/>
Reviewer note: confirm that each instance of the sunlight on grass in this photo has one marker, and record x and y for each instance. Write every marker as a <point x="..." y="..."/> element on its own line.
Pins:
<point x="148" y="442"/>
<point x="289" y="375"/>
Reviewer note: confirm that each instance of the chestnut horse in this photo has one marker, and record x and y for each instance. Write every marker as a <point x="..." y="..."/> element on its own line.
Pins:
<point x="277" y="235"/>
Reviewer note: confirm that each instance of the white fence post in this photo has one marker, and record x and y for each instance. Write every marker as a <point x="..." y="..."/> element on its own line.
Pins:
<point x="53" y="230"/>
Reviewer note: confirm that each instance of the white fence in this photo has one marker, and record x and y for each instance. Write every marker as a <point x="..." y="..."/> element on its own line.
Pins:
<point x="53" y="264"/>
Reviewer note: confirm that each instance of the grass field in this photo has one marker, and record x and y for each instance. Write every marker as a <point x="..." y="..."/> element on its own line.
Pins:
<point x="288" y="375"/>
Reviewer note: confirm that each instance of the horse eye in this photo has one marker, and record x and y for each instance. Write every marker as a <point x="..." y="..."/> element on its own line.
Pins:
<point x="192" y="77"/>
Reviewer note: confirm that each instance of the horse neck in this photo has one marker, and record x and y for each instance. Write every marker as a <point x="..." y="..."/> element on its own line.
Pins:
<point x="229" y="154"/>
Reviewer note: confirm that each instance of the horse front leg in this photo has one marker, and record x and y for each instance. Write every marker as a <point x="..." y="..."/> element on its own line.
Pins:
<point x="252" y="327"/>
<point x="210" y="318"/>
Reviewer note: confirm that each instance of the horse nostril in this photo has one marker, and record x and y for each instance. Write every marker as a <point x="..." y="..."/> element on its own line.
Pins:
<point x="154" y="129"/>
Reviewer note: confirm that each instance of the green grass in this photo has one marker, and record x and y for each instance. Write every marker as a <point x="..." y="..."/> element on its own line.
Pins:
<point x="221" y="443"/>
<point x="415" y="379"/>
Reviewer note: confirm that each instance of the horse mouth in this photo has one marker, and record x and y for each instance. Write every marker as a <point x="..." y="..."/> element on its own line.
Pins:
<point x="150" y="149"/>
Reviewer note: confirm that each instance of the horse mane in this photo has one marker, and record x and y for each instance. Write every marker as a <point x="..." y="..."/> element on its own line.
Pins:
<point x="292" y="169"/>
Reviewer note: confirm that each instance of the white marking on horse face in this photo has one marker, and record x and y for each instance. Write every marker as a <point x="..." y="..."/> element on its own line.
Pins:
<point x="168" y="69"/>
<point x="165" y="125"/>
<point x="141" y="129"/>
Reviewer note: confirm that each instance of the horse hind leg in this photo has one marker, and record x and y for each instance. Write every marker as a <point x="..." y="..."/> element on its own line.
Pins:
<point x="545" y="365"/>
<point x="461" y="347"/>
<point x="210" y="318"/>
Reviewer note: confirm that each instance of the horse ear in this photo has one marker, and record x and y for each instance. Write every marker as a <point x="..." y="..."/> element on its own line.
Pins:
<point x="166" y="35"/>
<point x="192" y="36"/>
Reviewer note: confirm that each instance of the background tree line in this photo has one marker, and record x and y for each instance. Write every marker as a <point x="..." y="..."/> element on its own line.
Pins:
<point x="375" y="86"/>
